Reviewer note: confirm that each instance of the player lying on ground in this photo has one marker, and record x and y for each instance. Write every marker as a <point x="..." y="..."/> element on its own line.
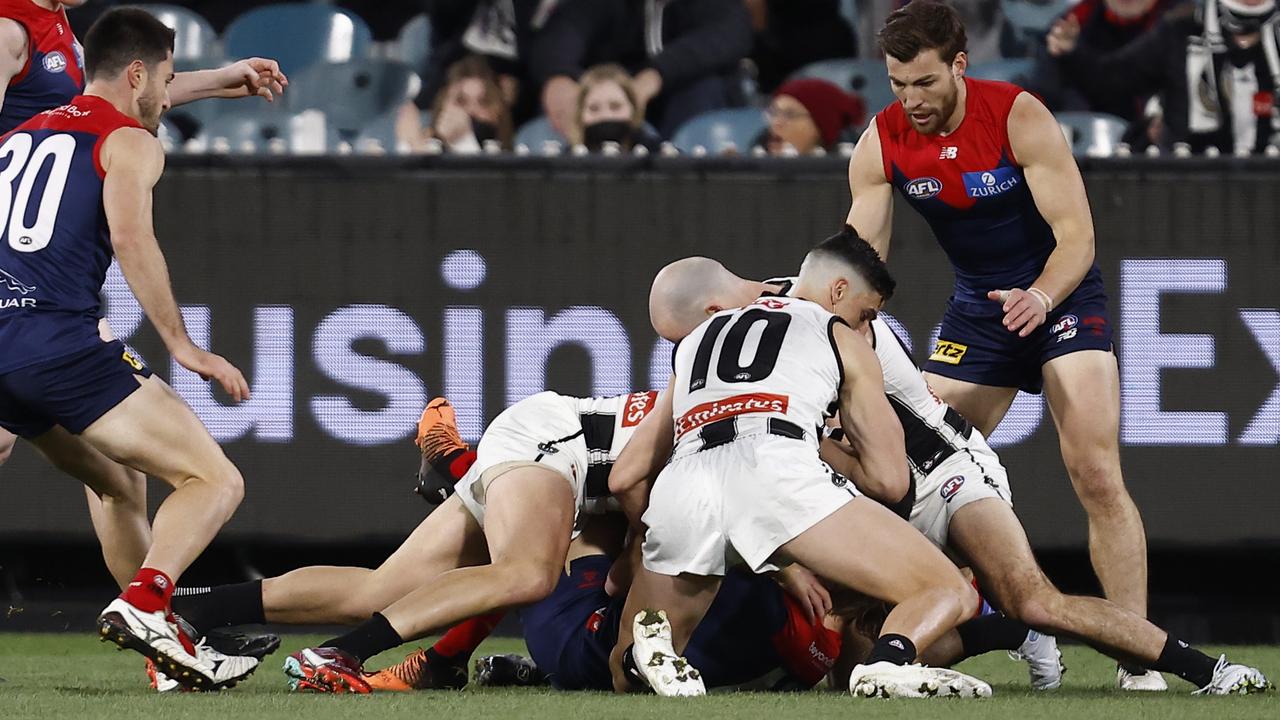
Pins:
<point x="500" y="542"/>
<point x="960" y="489"/>
<point x="745" y="483"/>
<point x="41" y="67"/>
<point x="88" y="403"/>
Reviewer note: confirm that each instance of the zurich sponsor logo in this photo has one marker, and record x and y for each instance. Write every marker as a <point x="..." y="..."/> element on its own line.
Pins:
<point x="1067" y="321"/>
<point x="923" y="188"/>
<point x="55" y="62"/>
<point x="990" y="183"/>
<point x="951" y="487"/>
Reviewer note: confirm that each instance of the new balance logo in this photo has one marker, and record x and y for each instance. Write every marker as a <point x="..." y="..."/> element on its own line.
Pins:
<point x="949" y="152"/>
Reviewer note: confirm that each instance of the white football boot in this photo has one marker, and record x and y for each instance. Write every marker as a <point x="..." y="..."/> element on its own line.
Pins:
<point x="152" y="635"/>
<point x="1232" y="679"/>
<point x="666" y="673"/>
<point x="1043" y="658"/>
<point x="886" y="680"/>
<point x="1149" y="681"/>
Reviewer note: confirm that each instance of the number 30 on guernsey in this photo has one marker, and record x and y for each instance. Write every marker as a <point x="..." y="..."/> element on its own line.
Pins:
<point x="23" y="167"/>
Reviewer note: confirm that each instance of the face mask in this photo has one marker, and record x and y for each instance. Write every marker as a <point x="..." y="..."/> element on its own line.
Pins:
<point x="597" y="134"/>
<point x="1240" y="19"/>
<point x="484" y="130"/>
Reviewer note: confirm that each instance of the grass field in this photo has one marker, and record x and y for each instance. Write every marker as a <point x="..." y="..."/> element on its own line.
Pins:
<point x="74" y="677"/>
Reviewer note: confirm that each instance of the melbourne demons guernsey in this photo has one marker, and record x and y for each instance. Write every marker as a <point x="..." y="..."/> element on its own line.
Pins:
<point x="969" y="187"/>
<point x="607" y="426"/>
<point x="54" y="247"/>
<point x="775" y="358"/>
<point x="54" y="69"/>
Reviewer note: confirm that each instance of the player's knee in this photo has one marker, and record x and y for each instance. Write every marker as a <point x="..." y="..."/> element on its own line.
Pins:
<point x="528" y="582"/>
<point x="1033" y="602"/>
<point x="6" y="450"/>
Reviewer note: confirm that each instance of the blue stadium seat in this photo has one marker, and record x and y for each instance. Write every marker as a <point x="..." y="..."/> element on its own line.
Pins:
<point x="1092" y="134"/>
<point x="193" y="38"/>
<point x="866" y="77"/>
<point x="1012" y="70"/>
<point x="254" y="125"/>
<point x="712" y="130"/>
<point x="537" y="131"/>
<point x="354" y="93"/>
<point x="849" y="9"/>
<point x="381" y="129"/>
<point x="414" y="42"/>
<point x="1033" y="18"/>
<point x="299" y="35"/>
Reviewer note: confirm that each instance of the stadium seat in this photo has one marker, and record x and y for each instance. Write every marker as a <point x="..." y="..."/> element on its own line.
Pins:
<point x="299" y="35"/>
<point x="866" y="77"/>
<point x="713" y="130"/>
<point x="248" y="125"/>
<point x="1033" y="18"/>
<point x="1092" y="134"/>
<point x="381" y="130"/>
<point x="537" y="131"/>
<point x="414" y="42"/>
<point x="849" y="9"/>
<point x="193" y="38"/>
<point x="354" y="93"/>
<point x="1012" y="70"/>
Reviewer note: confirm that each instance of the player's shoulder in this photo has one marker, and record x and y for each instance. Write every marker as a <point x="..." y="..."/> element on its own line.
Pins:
<point x="13" y="38"/>
<point x="139" y="149"/>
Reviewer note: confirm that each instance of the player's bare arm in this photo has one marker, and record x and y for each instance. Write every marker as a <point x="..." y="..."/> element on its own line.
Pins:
<point x="871" y="213"/>
<point x="643" y="458"/>
<point x="869" y="422"/>
<point x="1058" y="190"/>
<point x="133" y="161"/>
<point x="13" y="52"/>
<point x="251" y="77"/>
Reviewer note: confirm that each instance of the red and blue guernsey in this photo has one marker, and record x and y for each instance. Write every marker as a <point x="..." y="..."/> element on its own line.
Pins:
<point x="54" y="246"/>
<point x="969" y="187"/>
<point x="54" y="72"/>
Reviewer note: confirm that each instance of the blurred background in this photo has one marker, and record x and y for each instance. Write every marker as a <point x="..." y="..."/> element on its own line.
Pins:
<point x="469" y="198"/>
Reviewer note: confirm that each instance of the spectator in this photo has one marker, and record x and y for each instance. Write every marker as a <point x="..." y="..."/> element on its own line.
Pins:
<point x="469" y="110"/>
<point x="684" y="54"/>
<point x="1215" y="78"/>
<point x="1101" y="26"/>
<point x="608" y="111"/>
<point x="500" y="31"/>
<point x="809" y="113"/>
<point x="790" y="34"/>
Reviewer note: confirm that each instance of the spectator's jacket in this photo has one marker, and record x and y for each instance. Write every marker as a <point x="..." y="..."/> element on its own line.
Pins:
<point x="1213" y="93"/>
<point x="683" y="40"/>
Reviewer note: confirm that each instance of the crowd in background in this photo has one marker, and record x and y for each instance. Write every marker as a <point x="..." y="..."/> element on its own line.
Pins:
<point x="1190" y="73"/>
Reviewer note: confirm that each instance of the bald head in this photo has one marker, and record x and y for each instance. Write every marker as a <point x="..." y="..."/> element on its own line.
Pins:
<point x="685" y="292"/>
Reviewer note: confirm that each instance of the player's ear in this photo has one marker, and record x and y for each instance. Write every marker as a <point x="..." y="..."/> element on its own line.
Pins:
<point x="136" y="71"/>
<point x="960" y="64"/>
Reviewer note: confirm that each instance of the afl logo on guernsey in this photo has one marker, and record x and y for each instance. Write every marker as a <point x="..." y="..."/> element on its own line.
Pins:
<point x="923" y="188"/>
<point x="990" y="183"/>
<point x="55" y="62"/>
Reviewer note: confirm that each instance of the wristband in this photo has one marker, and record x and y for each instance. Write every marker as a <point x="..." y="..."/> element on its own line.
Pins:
<point x="1044" y="298"/>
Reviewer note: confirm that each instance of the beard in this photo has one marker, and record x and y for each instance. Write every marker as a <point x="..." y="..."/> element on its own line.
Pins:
<point x="149" y="111"/>
<point x="937" y="114"/>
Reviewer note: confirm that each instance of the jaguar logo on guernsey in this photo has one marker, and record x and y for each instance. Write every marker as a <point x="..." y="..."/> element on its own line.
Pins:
<point x="55" y="62"/>
<point x="923" y="188"/>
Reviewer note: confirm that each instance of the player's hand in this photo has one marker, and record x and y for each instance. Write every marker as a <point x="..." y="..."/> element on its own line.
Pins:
<point x="210" y="366"/>
<point x="806" y="588"/>
<point x="1023" y="311"/>
<point x="1063" y="36"/>
<point x="252" y="77"/>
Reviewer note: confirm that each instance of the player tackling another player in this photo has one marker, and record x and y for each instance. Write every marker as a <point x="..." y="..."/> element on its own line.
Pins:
<point x="985" y="163"/>
<point x="79" y="180"/>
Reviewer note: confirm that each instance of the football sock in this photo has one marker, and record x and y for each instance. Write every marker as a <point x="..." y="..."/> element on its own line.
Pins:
<point x="896" y="649"/>
<point x="367" y="639"/>
<point x="150" y="590"/>
<point x="214" y="607"/>
<point x="463" y="638"/>
<point x="1186" y="662"/>
<point x="455" y="464"/>
<point x="991" y="632"/>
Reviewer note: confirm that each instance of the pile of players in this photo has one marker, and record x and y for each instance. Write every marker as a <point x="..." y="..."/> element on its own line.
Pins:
<point x="793" y="500"/>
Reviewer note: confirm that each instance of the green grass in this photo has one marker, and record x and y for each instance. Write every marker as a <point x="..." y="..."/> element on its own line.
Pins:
<point x="74" y="677"/>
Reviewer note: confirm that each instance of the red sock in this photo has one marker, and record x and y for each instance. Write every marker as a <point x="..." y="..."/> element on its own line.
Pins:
<point x="461" y="464"/>
<point x="150" y="590"/>
<point x="467" y="635"/>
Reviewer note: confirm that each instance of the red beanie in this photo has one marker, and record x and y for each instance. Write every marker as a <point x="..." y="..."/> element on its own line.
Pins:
<point x="831" y="108"/>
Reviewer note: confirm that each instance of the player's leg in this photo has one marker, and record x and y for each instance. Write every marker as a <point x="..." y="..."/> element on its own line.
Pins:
<point x="983" y="405"/>
<point x="1089" y="435"/>
<point x="649" y="644"/>
<point x="7" y="441"/>
<point x="893" y="562"/>
<point x="117" y="497"/>
<point x="988" y="533"/>
<point x="154" y="431"/>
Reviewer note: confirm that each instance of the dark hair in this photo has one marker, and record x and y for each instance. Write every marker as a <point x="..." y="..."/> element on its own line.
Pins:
<point x="858" y="253"/>
<point x="121" y="36"/>
<point x="923" y="25"/>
